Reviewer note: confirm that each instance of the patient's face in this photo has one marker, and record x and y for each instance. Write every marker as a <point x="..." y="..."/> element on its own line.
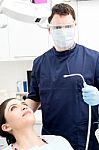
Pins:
<point x="18" y="114"/>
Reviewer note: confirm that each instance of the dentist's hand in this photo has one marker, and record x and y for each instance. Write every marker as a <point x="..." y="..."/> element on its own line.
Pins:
<point x="90" y="95"/>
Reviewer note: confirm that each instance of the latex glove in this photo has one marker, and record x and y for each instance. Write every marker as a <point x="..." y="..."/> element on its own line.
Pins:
<point x="90" y="95"/>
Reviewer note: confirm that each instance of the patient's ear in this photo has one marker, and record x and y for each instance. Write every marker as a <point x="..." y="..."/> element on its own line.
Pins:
<point x="6" y="127"/>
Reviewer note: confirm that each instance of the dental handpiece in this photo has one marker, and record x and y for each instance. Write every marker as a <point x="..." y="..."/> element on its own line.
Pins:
<point x="70" y="75"/>
<point x="89" y="120"/>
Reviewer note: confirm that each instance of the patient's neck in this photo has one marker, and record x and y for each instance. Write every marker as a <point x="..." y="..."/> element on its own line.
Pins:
<point x="27" y="138"/>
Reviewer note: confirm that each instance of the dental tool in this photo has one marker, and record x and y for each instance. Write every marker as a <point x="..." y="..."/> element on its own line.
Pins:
<point x="89" y="120"/>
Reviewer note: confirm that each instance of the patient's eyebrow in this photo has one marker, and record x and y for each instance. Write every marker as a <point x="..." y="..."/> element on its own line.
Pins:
<point x="11" y="106"/>
<point x="24" y="103"/>
<point x="15" y="104"/>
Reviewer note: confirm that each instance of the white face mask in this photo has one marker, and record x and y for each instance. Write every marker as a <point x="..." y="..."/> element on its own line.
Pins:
<point x="63" y="38"/>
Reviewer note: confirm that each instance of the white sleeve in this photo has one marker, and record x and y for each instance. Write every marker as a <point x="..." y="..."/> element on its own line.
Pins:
<point x="65" y="145"/>
<point x="57" y="142"/>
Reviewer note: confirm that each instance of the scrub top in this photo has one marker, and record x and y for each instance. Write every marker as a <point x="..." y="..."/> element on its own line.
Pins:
<point x="63" y="110"/>
<point x="54" y="143"/>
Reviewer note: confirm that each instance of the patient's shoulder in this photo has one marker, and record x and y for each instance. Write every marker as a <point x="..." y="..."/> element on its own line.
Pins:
<point x="57" y="141"/>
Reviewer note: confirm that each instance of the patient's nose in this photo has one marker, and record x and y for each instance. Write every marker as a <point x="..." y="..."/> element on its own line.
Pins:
<point x="24" y="107"/>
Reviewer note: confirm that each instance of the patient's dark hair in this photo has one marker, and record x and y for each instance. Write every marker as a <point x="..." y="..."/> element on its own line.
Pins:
<point x="62" y="9"/>
<point x="9" y="137"/>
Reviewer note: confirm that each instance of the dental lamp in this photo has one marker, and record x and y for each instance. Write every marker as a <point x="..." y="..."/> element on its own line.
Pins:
<point x="25" y="10"/>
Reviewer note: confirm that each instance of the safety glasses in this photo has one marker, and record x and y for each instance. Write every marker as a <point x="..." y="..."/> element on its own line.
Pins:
<point x="60" y="27"/>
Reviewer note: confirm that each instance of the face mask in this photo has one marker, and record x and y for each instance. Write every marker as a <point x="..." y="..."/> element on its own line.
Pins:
<point x="63" y="38"/>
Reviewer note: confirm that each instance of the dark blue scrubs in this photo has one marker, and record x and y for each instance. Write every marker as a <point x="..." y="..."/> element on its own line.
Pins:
<point x="63" y="110"/>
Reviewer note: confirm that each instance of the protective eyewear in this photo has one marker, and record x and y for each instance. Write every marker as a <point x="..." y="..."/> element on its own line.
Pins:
<point x="61" y="27"/>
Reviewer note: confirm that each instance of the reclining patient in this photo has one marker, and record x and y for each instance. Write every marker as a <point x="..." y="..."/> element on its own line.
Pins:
<point x="16" y="125"/>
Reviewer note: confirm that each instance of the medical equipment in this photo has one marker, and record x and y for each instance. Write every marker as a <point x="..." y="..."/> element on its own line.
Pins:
<point x="97" y="134"/>
<point x="89" y="121"/>
<point x="24" y="10"/>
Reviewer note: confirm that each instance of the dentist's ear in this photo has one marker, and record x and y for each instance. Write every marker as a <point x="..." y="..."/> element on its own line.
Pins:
<point x="5" y="127"/>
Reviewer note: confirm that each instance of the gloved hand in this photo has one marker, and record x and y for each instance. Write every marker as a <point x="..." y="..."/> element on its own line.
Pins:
<point x="90" y="95"/>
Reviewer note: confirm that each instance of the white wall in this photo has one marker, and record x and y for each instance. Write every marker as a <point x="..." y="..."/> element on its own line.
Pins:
<point x="88" y="23"/>
<point x="26" y="39"/>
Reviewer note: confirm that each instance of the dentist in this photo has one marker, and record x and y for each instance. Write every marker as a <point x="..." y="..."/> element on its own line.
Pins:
<point x="64" y="111"/>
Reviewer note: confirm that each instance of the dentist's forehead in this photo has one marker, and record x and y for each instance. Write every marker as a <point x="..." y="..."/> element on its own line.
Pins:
<point x="62" y="19"/>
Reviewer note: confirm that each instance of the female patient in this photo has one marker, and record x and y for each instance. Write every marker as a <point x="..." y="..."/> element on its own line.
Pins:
<point x="16" y="124"/>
